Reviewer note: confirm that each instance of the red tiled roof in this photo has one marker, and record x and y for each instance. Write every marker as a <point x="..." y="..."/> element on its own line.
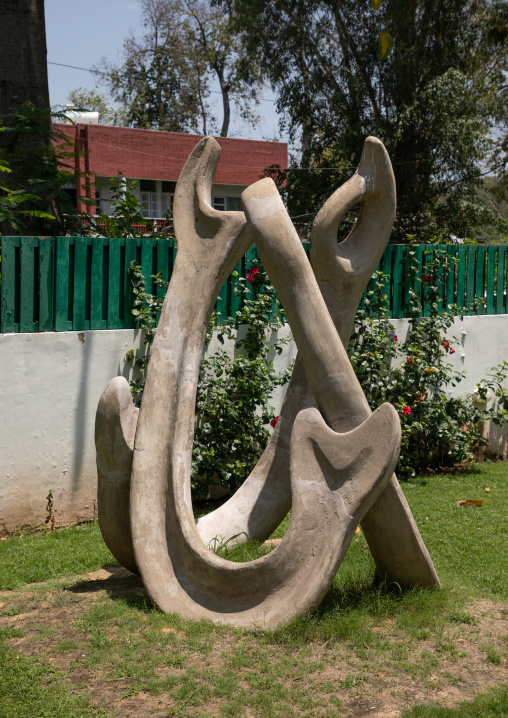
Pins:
<point x="149" y="154"/>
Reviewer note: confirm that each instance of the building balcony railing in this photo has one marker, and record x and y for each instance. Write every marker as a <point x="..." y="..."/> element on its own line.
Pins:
<point x="148" y="228"/>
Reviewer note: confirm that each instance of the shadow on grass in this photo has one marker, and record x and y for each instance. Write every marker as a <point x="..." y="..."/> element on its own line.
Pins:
<point x="121" y="584"/>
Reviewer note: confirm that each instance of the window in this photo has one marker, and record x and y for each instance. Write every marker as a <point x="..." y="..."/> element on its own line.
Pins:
<point x="167" y="196"/>
<point x="148" y="198"/>
<point x="98" y="203"/>
<point x="232" y="204"/>
<point x="219" y="203"/>
<point x="148" y="185"/>
<point x="149" y="204"/>
<point x="167" y="203"/>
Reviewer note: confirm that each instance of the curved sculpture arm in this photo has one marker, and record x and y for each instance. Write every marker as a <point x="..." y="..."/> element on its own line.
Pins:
<point x="396" y="545"/>
<point x="343" y="270"/>
<point x="209" y="241"/>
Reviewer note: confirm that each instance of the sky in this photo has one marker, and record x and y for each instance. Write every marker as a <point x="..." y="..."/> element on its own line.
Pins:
<point x="81" y="33"/>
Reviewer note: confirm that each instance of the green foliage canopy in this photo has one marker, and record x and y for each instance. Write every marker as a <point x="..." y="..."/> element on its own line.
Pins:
<point x="433" y="100"/>
<point x="164" y="81"/>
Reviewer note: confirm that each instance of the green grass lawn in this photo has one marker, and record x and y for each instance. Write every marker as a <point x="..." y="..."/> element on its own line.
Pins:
<point x="363" y="637"/>
<point x="41" y="557"/>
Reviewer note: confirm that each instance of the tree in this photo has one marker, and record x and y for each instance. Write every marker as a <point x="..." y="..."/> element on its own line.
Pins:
<point x="93" y="101"/>
<point x="432" y="101"/>
<point x="213" y="34"/>
<point x="161" y="82"/>
<point x="165" y="78"/>
<point x="23" y="55"/>
<point x="23" y="92"/>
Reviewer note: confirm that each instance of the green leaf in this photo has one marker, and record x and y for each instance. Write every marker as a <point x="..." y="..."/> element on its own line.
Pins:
<point x="385" y="44"/>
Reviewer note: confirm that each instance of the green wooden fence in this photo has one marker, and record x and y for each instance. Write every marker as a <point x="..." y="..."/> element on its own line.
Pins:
<point x="79" y="283"/>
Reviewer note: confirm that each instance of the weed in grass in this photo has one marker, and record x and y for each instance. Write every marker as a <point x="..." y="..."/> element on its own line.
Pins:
<point x="444" y="644"/>
<point x="399" y="652"/>
<point x="351" y="681"/>
<point x="451" y="677"/>
<point x="493" y="655"/>
<point x="240" y="657"/>
<point x="65" y="646"/>
<point x="462" y="617"/>
<point x="47" y="631"/>
<point x="10" y="612"/>
<point x="174" y="660"/>
<point x="7" y="632"/>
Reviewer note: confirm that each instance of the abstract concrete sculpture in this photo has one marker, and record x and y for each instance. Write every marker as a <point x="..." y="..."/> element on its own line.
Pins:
<point x="329" y="458"/>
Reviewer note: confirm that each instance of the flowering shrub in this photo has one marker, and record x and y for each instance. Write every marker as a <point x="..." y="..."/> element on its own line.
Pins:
<point x="253" y="275"/>
<point x="232" y="404"/>
<point x="415" y="376"/>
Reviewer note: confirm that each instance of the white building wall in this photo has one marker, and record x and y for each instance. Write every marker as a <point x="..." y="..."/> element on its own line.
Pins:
<point x="50" y="384"/>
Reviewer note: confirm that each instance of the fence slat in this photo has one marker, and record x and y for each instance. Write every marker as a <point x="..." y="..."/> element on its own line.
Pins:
<point x="501" y="281"/>
<point x="491" y="277"/>
<point x="98" y="280"/>
<point x="451" y="273"/>
<point x="62" y="277"/>
<point x="27" y="285"/>
<point x="398" y="280"/>
<point x="385" y="266"/>
<point x="461" y="277"/>
<point x="479" y="293"/>
<point x="250" y="256"/>
<point x="80" y="271"/>
<point x="131" y="244"/>
<point x="114" y="321"/>
<point x="222" y="305"/>
<point x="163" y="249"/>
<point x="426" y="269"/>
<point x="46" y="284"/>
<point x="9" y="288"/>
<point x="470" y="277"/>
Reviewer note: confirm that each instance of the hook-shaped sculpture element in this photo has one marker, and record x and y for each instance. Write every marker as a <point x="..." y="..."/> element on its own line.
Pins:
<point x="168" y="551"/>
<point x="335" y="478"/>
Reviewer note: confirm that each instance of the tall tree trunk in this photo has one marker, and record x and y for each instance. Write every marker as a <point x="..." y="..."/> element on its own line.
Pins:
<point x="23" y="55"/>
<point x="24" y="77"/>
<point x="226" y="104"/>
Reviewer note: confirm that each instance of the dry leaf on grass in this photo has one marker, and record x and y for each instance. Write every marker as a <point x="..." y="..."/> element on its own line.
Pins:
<point x="470" y="502"/>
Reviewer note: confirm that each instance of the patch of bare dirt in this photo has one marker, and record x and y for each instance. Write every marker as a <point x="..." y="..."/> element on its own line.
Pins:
<point x="382" y="686"/>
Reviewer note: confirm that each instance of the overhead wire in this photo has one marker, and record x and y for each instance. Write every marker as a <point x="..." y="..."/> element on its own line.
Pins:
<point x="100" y="72"/>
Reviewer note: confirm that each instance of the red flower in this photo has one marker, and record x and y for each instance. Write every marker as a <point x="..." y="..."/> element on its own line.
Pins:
<point x="406" y="410"/>
<point x="426" y="278"/>
<point x="274" y="421"/>
<point x="452" y="351"/>
<point x="409" y="361"/>
<point x="253" y="274"/>
<point x="446" y="344"/>
<point x="395" y="339"/>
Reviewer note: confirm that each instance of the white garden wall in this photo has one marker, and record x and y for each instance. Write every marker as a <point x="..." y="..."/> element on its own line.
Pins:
<point x="50" y="384"/>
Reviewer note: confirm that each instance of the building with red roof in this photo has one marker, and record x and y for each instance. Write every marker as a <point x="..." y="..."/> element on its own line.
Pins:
<point x="155" y="159"/>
